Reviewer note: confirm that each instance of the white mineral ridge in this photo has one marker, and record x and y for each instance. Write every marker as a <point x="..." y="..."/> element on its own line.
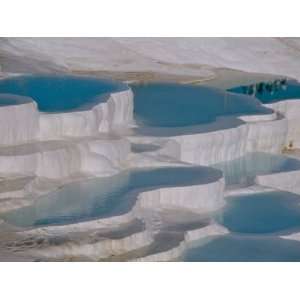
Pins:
<point x="202" y="198"/>
<point x="190" y="237"/>
<point x="102" y="249"/>
<point x="210" y="143"/>
<point x="263" y="55"/>
<point x="19" y="123"/>
<point x="117" y="111"/>
<point x="58" y="160"/>
<point x="287" y="181"/>
<point x="290" y="109"/>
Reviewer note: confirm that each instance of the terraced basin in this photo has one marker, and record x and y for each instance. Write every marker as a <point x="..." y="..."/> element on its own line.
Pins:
<point x="242" y="171"/>
<point x="267" y="212"/>
<point x="233" y="248"/>
<point x="105" y="197"/>
<point x="177" y="105"/>
<point x="58" y="93"/>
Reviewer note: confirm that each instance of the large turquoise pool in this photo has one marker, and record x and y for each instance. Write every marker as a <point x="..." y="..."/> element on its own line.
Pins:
<point x="105" y="197"/>
<point x="177" y="105"/>
<point x="58" y="93"/>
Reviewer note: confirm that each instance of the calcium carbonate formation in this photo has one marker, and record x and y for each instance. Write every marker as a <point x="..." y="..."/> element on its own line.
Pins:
<point x="41" y="152"/>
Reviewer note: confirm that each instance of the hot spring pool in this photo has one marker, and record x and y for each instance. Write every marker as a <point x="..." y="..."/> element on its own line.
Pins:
<point x="177" y="105"/>
<point x="242" y="171"/>
<point x="105" y="197"/>
<point x="258" y="213"/>
<point x="244" y="249"/>
<point x="271" y="93"/>
<point x="57" y="93"/>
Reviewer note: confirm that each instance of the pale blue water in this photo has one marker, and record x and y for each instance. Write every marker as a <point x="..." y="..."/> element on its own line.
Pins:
<point x="255" y="219"/>
<point x="104" y="197"/>
<point x="176" y="105"/>
<point x="291" y="91"/>
<point x="267" y="212"/>
<point x="245" y="249"/>
<point x="243" y="170"/>
<point x="57" y="93"/>
<point x="8" y="99"/>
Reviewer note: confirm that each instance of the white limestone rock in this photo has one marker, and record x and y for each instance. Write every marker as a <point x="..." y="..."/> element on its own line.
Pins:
<point x="222" y="140"/>
<point x="116" y="112"/>
<point x="290" y="109"/>
<point x="287" y="181"/>
<point x="57" y="160"/>
<point x="19" y="120"/>
<point x="201" y="198"/>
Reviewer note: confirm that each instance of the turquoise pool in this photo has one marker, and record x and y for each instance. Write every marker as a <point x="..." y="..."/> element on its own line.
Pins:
<point x="242" y="171"/>
<point x="258" y="213"/>
<point x="8" y="99"/>
<point x="270" y="94"/>
<point x="177" y="105"/>
<point x="58" y="93"/>
<point x="105" y="197"/>
<point x="234" y="248"/>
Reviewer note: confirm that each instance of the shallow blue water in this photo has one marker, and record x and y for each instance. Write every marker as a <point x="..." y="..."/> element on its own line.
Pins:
<point x="267" y="212"/>
<point x="176" y="105"/>
<point x="104" y="197"/>
<point x="291" y="91"/>
<point x="245" y="249"/>
<point x="55" y="93"/>
<point x="254" y="220"/>
<point x="7" y="99"/>
<point x="243" y="170"/>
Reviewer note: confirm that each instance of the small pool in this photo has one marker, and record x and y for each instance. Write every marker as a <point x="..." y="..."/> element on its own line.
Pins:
<point x="105" y="197"/>
<point x="267" y="212"/>
<point x="177" y="105"/>
<point x="244" y="249"/>
<point x="269" y="93"/>
<point x="242" y="171"/>
<point x="57" y="93"/>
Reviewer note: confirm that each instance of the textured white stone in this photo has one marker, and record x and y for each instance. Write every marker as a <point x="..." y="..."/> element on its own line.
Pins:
<point x="164" y="55"/>
<point x="190" y="236"/>
<point x="19" y="123"/>
<point x="209" y="144"/>
<point x="98" y="250"/>
<point x="116" y="112"/>
<point x="64" y="159"/>
<point x="286" y="181"/>
<point x="207" y="231"/>
<point x="202" y="198"/>
<point x="291" y="110"/>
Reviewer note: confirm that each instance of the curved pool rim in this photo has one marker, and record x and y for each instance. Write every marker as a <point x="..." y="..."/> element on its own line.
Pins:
<point x="162" y="121"/>
<point x="107" y="207"/>
<point x="94" y="91"/>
